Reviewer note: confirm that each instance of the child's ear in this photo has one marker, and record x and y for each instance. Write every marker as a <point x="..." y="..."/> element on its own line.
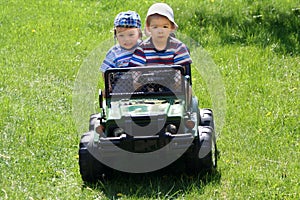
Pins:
<point x="173" y="28"/>
<point x="147" y="32"/>
<point x="140" y="34"/>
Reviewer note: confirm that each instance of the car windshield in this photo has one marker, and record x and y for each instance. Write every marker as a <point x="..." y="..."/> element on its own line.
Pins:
<point x="158" y="80"/>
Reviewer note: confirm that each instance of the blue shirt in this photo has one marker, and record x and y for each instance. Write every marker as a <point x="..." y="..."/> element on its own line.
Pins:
<point x="117" y="57"/>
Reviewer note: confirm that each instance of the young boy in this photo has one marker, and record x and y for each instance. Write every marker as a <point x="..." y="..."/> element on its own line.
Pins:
<point x="161" y="48"/>
<point x="127" y="31"/>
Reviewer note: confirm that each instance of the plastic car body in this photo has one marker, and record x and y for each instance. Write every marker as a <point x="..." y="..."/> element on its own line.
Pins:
<point x="149" y="119"/>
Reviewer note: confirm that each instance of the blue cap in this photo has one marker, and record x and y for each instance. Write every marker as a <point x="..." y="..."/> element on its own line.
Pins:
<point x="128" y="19"/>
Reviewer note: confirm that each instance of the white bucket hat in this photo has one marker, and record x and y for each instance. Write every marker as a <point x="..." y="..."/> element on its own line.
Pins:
<point x="164" y="10"/>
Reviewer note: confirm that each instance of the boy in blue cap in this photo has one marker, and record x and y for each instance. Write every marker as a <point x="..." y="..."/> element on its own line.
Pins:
<point x="127" y="31"/>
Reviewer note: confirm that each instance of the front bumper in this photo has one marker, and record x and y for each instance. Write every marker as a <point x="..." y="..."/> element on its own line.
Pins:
<point x="145" y="144"/>
<point x="136" y="154"/>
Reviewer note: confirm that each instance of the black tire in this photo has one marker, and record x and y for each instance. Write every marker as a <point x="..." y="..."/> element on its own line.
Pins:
<point x="91" y="169"/>
<point x="207" y="118"/>
<point x="195" y="165"/>
<point x="206" y="162"/>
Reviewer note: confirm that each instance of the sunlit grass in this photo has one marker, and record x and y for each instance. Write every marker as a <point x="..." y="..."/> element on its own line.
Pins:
<point x="43" y="45"/>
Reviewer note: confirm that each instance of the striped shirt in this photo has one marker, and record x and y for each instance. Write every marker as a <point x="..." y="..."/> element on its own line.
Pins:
<point x="175" y="53"/>
<point x="117" y="57"/>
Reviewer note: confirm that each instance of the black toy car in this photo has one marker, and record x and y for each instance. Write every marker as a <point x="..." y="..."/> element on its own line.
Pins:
<point x="148" y="120"/>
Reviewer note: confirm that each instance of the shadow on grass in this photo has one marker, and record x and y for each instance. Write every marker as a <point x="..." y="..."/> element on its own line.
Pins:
<point x="164" y="184"/>
<point x="261" y="24"/>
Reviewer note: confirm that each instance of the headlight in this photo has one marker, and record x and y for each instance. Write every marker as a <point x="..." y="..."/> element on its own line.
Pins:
<point x="190" y="124"/>
<point x="171" y="128"/>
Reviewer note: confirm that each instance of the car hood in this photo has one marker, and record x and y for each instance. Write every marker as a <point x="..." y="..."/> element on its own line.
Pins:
<point x="138" y="108"/>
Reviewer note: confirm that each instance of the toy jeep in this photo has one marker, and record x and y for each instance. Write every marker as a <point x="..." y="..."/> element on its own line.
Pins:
<point x="148" y="121"/>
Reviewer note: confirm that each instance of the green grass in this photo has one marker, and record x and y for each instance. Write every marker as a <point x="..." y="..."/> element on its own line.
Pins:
<point x="45" y="45"/>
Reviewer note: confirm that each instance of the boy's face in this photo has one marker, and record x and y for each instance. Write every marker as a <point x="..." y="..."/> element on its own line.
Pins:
<point x="160" y="28"/>
<point x="127" y="37"/>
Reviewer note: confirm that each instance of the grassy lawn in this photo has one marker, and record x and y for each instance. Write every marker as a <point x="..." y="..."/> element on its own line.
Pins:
<point x="50" y="49"/>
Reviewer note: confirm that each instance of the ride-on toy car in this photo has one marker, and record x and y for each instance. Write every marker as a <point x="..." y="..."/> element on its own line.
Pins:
<point x="148" y="120"/>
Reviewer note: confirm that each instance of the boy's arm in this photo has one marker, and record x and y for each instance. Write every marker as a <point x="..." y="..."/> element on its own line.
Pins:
<point x="138" y="58"/>
<point x="108" y="61"/>
<point x="183" y="58"/>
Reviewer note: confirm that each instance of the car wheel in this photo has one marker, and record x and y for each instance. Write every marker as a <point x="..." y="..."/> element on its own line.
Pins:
<point x="91" y="169"/>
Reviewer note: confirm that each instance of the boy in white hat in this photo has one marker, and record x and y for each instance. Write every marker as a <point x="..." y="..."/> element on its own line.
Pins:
<point x="127" y="31"/>
<point x="161" y="48"/>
